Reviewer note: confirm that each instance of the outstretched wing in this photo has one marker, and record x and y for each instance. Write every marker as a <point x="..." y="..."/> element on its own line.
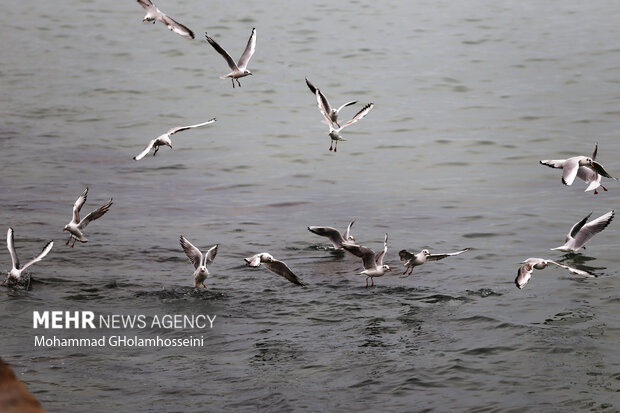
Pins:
<point x="573" y="270"/>
<point x="553" y="163"/>
<point x="145" y="3"/>
<point x="347" y="234"/>
<point x="575" y="228"/>
<point x="600" y="170"/>
<point x="46" y="249"/>
<point x="331" y="233"/>
<point x="224" y="53"/>
<point x="248" y="52"/>
<point x="381" y="254"/>
<point x="182" y="128"/>
<point x="324" y="107"/>
<point x="177" y="27"/>
<point x="193" y="253"/>
<point x="145" y="150"/>
<point x="592" y="228"/>
<point x="78" y="205"/>
<point x="524" y="273"/>
<point x="10" y="244"/>
<point x="437" y="257"/>
<point x="96" y="214"/>
<point x="595" y="151"/>
<point x="210" y="255"/>
<point x="569" y="171"/>
<point x="405" y="255"/>
<point x="311" y="87"/>
<point x="359" y="115"/>
<point x="280" y="268"/>
<point x="353" y="102"/>
<point x="366" y="254"/>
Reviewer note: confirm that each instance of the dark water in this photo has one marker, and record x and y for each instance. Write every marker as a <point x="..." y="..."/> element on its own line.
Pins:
<point x="468" y="98"/>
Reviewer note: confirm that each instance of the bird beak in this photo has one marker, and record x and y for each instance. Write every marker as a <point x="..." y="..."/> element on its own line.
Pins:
<point x="64" y="229"/>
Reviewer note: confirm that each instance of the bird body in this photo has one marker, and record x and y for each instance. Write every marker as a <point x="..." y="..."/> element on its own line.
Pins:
<point x="275" y="266"/>
<point x="373" y="262"/>
<point x="239" y="69"/>
<point x="164" y="140"/>
<point x="153" y="14"/>
<point x="581" y="232"/>
<point x="199" y="260"/>
<point x="524" y="273"/>
<point x="77" y="225"/>
<point x="335" y="237"/>
<point x="412" y="260"/>
<point x="16" y="269"/>
<point x="333" y="113"/>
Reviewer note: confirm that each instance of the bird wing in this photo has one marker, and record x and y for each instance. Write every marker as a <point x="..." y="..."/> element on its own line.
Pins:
<point x="595" y="151"/>
<point x="46" y="249"/>
<point x="437" y="257"/>
<point x="253" y="261"/>
<point x="359" y="115"/>
<point x="145" y="3"/>
<point x="331" y="233"/>
<point x="78" y="205"/>
<point x="177" y="27"/>
<point x="381" y="254"/>
<point x="405" y="255"/>
<point x="598" y="168"/>
<point x="324" y="107"/>
<point x="366" y="254"/>
<point x="248" y="52"/>
<point x="573" y="270"/>
<point x="96" y="214"/>
<point x="182" y="128"/>
<point x="347" y="233"/>
<point x="311" y="87"/>
<point x="210" y="255"/>
<point x="193" y="253"/>
<point x="569" y="171"/>
<point x="224" y="53"/>
<point x="524" y="273"/>
<point x="553" y="163"/>
<point x="592" y="228"/>
<point x="145" y="150"/>
<point x="353" y="102"/>
<point x="280" y="268"/>
<point x="575" y="228"/>
<point x="10" y="244"/>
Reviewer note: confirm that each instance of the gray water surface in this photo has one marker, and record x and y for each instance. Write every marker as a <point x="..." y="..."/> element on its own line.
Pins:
<point x="469" y="96"/>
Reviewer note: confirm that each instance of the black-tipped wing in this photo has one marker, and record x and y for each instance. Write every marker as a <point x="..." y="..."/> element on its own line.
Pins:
<point x="182" y="128"/>
<point x="359" y="115"/>
<point x="10" y="244"/>
<point x="595" y="152"/>
<point x="44" y="252"/>
<point x="242" y="64"/>
<point x="524" y="273"/>
<point x="573" y="270"/>
<point x="366" y="254"/>
<point x="331" y="233"/>
<point x="324" y="107"/>
<point x="569" y="171"/>
<point x="405" y="255"/>
<point x="553" y="163"/>
<point x="280" y="268"/>
<point x="78" y="205"/>
<point x="177" y="27"/>
<point x="210" y="255"/>
<point x="592" y="228"/>
<point x="347" y="233"/>
<point x="193" y="253"/>
<point x="224" y="53"/>
<point x="145" y="3"/>
<point x="600" y="170"/>
<point x="146" y="150"/>
<point x="575" y="229"/>
<point x="96" y="214"/>
<point x="437" y="257"/>
<point x="311" y="87"/>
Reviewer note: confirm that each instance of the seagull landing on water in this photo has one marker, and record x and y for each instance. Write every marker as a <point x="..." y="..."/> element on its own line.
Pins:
<point x="153" y="14"/>
<point x="582" y="167"/>
<point x="581" y="232"/>
<point x="373" y="263"/>
<point x="273" y="265"/>
<point x="524" y="273"/>
<point x="334" y="128"/>
<point x="337" y="239"/>
<point x="412" y="260"/>
<point x="76" y="226"/>
<point x="239" y="69"/>
<point x="200" y="262"/>
<point x="164" y="139"/>
<point x="16" y="271"/>
<point x="333" y="113"/>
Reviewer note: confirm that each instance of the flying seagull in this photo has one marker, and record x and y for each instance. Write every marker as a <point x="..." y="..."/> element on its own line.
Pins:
<point x="164" y="139"/>
<point x="412" y="260"/>
<point x="334" y="128"/>
<point x="239" y="68"/>
<point x="581" y="232"/>
<point x="76" y="226"/>
<point x="200" y="262"/>
<point x="373" y="263"/>
<point x="333" y="235"/>
<point x="16" y="270"/>
<point x="582" y="167"/>
<point x="333" y="113"/>
<point x="153" y="14"/>
<point x="273" y="265"/>
<point x="524" y="273"/>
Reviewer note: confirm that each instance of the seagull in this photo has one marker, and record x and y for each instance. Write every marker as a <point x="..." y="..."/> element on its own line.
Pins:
<point x="333" y="113"/>
<point x="200" y="263"/>
<point x="153" y="14"/>
<point x="238" y="69"/>
<point x="373" y="263"/>
<point x="334" y="128"/>
<point x="16" y="270"/>
<point x="75" y="227"/>
<point x="581" y="232"/>
<point x="524" y="273"/>
<point x="412" y="260"/>
<point x="164" y="139"/>
<point x="334" y="236"/>
<point x="273" y="265"/>
<point x="583" y="167"/>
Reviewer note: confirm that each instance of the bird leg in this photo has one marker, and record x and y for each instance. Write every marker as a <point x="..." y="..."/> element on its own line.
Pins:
<point x="74" y="239"/>
<point x="196" y="285"/>
<point x="406" y="269"/>
<point x="239" y="83"/>
<point x="156" y="149"/>
<point x="336" y="146"/>
<point x="331" y="145"/>
<point x="69" y="240"/>
<point x="233" y="82"/>
<point x="595" y="192"/>
<point x="367" y="281"/>
<point x="373" y="281"/>
<point x="203" y="285"/>
<point x="604" y="188"/>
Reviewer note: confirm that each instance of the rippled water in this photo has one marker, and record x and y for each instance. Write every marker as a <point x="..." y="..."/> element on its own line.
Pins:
<point x="468" y="97"/>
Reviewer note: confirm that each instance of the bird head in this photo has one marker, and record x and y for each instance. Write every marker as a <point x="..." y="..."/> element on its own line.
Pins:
<point x="426" y="252"/>
<point x="386" y="267"/>
<point x="66" y="228"/>
<point x="247" y="73"/>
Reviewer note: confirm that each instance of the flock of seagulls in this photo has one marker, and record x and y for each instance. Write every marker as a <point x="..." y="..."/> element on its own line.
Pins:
<point x="585" y="168"/>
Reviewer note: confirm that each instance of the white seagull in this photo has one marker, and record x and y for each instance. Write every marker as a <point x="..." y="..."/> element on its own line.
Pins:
<point x="153" y="14"/>
<point x="373" y="263"/>
<point x="334" y="128"/>
<point x="524" y="273"/>
<point x="412" y="260"/>
<point x="200" y="262"/>
<point x="16" y="270"/>
<point x="273" y="265"/>
<point x="581" y="232"/>
<point x="333" y="113"/>
<point x="76" y="226"/>
<point x="337" y="239"/>
<point x="582" y="167"/>
<point x="239" y="68"/>
<point x="164" y="139"/>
